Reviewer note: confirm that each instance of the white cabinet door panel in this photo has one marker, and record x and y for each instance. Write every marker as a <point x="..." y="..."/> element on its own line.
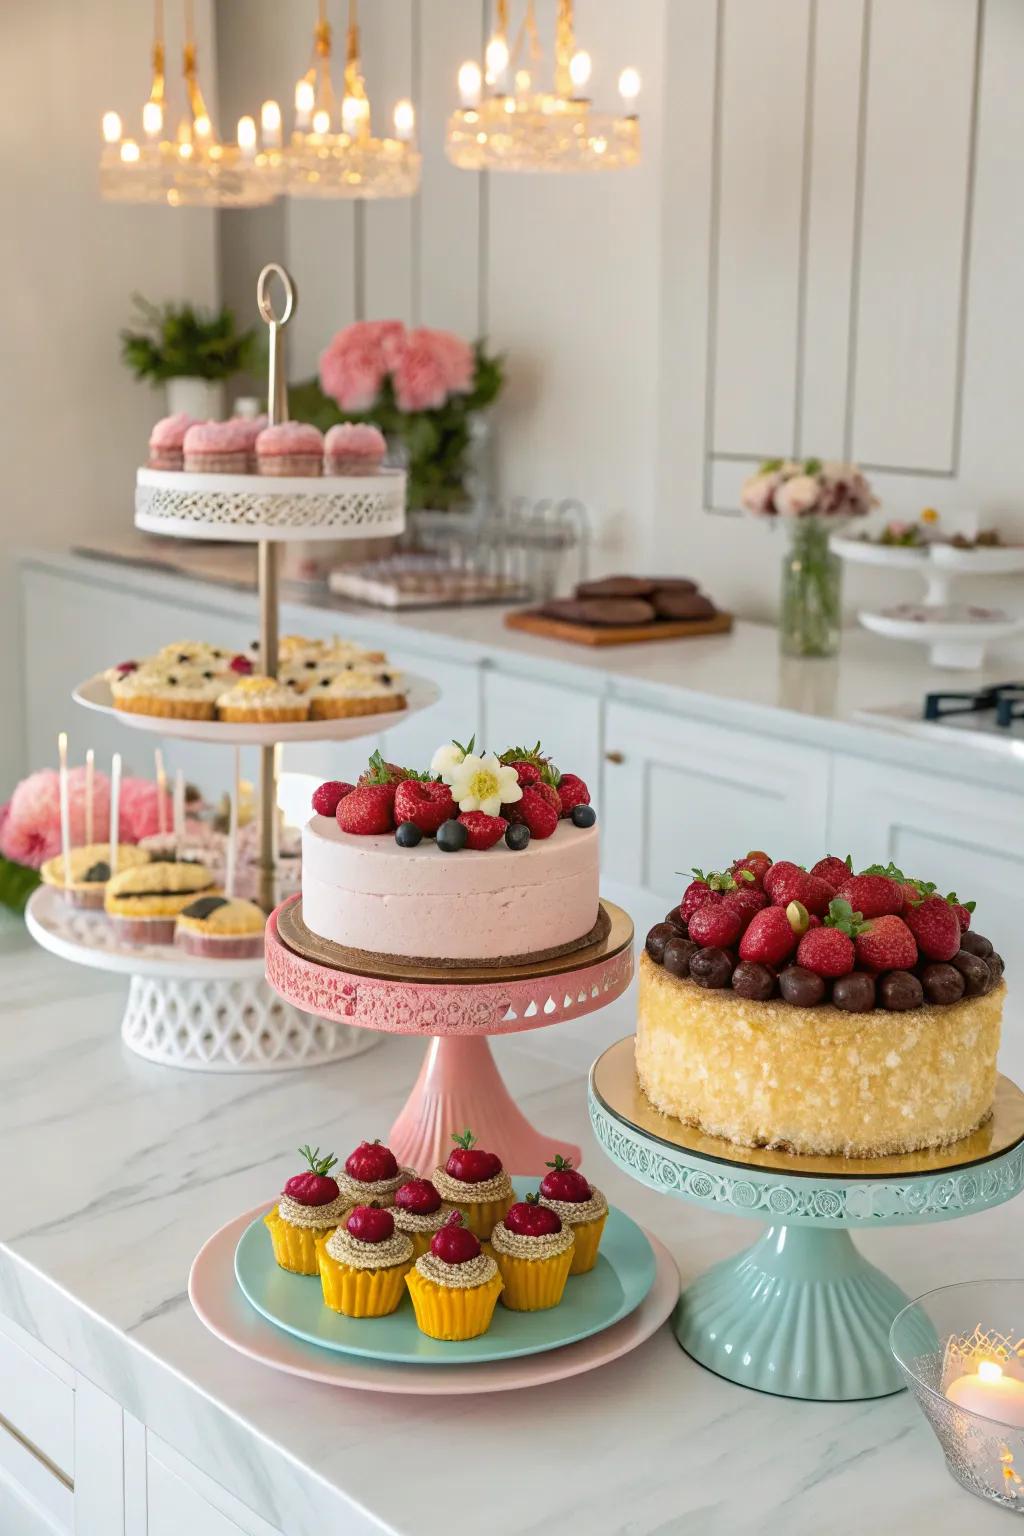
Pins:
<point x="678" y="793"/>
<point x="37" y="1398"/>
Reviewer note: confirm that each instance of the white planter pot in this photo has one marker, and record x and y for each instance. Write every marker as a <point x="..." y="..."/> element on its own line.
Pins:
<point x="201" y="398"/>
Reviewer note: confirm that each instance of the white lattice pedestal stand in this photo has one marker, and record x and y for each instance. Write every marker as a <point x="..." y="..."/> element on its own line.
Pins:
<point x="182" y="1011"/>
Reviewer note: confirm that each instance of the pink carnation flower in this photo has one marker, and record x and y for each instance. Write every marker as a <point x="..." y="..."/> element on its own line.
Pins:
<point x="356" y="362"/>
<point x="30" y="829"/>
<point x="454" y="357"/>
<point x="140" y="810"/>
<point x="419" y="377"/>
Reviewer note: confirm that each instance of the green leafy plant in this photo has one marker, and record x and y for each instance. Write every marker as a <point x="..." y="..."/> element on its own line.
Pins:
<point x="176" y="341"/>
<point x="17" y="882"/>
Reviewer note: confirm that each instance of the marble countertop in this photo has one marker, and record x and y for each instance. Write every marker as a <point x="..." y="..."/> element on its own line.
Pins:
<point x="117" y="1171"/>
<point x="737" y="679"/>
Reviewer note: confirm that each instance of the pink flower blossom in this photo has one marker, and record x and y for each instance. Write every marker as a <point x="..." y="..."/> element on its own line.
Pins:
<point x="30" y="830"/>
<point x="419" y="378"/>
<point x="356" y="362"/>
<point x="798" y="496"/>
<point x="454" y="356"/>
<point x="140" y="810"/>
<point x="758" y="491"/>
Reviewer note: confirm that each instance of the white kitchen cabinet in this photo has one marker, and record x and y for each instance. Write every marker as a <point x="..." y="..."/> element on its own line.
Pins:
<point x="677" y="793"/>
<point x="520" y="710"/>
<point x="182" y="1499"/>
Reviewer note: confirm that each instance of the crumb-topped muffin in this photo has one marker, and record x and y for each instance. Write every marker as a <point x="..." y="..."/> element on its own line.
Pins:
<point x="89" y="871"/>
<point x="310" y="1206"/>
<point x="143" y="902"/>
<point x="355" y="691"/>
<point x="820" y="1011"/>
<point x="168" y="688"/>
<point x="221" y="926"/>
<point x="533" y="1249"/>
<point x="363" y="1263"/>
<point x="475" y="1182"/>
<point x="258" y="699"/>
<point x="454" y="1286"/>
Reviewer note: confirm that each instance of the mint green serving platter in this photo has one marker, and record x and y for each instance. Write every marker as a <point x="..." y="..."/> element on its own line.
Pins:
<point x="615" y="1287"/>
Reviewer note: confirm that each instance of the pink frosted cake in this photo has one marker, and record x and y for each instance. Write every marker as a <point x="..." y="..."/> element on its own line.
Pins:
<point x="217" y="447"/>
<point x="378" y="874"/>
<point x="292" y="448"/>
<point x="353" y="448"/>
<point x="166" y="441"/>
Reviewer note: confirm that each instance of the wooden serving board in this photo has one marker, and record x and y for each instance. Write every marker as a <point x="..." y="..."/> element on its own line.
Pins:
<point x="536" y="623"/>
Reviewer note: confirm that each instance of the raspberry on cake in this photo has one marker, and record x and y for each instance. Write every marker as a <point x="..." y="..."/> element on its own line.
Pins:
<point x="836" y="1031"/>
<point x="469" y="861"/>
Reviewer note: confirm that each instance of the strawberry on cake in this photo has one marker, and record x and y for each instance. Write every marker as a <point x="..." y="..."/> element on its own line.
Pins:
<point x="379" y="875"/>
<point x="820" y="1011"/>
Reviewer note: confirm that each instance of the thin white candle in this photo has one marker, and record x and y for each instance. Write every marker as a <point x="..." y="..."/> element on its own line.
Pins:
<point x="161" y="792"/>
<point x="232" y="853"/>
<point x="305" y="101"/>
<point x="90" y="783"/>
<point x="65" y="807"/>
<point x="246" y="134"/>
<point x="115" y="810"/>
<point x="470" y="84"/>
<point x="270" y="125"/>
<point x="179" y="808"/>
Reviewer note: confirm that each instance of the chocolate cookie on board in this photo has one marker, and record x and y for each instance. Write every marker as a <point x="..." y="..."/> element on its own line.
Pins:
<point x="617" y="586"/>
<point x="682" y="605"/>
<point x="608" y="611"/>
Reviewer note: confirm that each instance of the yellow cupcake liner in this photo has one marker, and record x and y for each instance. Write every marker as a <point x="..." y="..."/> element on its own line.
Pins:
<point x="588" y="1240"/>
<point x="421" y="1242"/>
<point x="533" y="1285"/>
<point x="170" y="709"/>
<point x="360" y="1292"/>
<point x="341" y="709"/>
<point x="294" y="1247"/>
<point x="444" y="1312"/>
<point x="482" y="1216"/>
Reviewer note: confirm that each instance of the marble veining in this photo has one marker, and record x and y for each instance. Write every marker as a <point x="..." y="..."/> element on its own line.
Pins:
<point x="115" y="1172"/>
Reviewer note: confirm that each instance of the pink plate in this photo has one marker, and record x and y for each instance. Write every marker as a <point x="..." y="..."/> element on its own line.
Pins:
<point x="220" y="1305"/>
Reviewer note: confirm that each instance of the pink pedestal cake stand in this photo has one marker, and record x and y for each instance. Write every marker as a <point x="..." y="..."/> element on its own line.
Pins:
<point x="459" y="1084"/>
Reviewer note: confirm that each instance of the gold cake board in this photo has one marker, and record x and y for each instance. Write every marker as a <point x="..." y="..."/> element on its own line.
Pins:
<point x="616" y="1086"/>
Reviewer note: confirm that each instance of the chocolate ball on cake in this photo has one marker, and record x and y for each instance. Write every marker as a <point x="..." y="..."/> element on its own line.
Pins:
<point x="677" y="955"/>
<point x="854" y="993"/>
<point x="975" y="972"/>
<point x="711" y="968"/>
<point x="942" y="983"/>
<point x="976" y="944"/>
<point x="900" y="990"/>
<point x="658" y="937"/>
<point x="754" y="981"/>
<point x="801" y="987"/>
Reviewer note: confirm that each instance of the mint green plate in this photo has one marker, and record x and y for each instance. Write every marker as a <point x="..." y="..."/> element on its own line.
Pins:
<point x="618" y="1283"/>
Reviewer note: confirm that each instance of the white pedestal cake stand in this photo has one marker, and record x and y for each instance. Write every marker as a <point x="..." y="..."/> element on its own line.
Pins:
<point x="801" y="1313"/>
<point x="459" y="1084"/>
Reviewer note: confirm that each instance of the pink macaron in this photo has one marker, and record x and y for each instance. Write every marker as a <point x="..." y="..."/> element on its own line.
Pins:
<point x="217" y="448"/>
<point x="293" y="448"/>
<point x="353" y="448"/>
<point x="167" y="439"/>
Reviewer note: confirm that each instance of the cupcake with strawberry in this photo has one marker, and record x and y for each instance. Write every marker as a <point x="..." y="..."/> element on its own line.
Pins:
<point x="455" y="1285"/>
<point x="364" y="1262"/>
<point x="533" y="1249"/>
<point x="372" y="1173"/>
<point x="310" y="1206"/>
<point x="475" y="1182"/>
<point x="579" y="1206"/>
<point x="419" y="1212"/>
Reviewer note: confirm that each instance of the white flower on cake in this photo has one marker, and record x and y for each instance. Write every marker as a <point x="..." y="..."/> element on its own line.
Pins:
<point x="482" y="783"/>
<point x="446" y="759"/>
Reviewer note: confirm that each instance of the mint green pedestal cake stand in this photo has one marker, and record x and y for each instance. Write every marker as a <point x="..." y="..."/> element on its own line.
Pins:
<point x="801" y="1313"/>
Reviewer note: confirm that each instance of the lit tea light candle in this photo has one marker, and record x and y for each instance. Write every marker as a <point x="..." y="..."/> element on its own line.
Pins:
<point x="990" y="1392"/>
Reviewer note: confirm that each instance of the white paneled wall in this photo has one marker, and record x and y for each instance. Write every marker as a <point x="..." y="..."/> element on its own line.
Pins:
<point x="821" y="253"/>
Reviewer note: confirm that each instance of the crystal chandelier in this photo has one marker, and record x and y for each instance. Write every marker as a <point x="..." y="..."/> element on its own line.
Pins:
<point x="506" y="123"/>
<point x="194" y="168"/>
<point x="333" y="151"/>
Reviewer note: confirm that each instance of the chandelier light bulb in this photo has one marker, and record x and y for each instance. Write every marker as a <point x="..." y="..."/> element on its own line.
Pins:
<point x="305" y="101"/>
<point x="111" y="127"/>
<point x="247" y="136"/>
<point x="322" y="121"/>
<point x="496" y="58"/>
<point x="129" y="151"/>
<point x="405" y="121"/>
<point x="579" y="69"/>
<point x="354" y="112"/>
<point x="524" y="81"/>
<point x="153" y="119"/>
<point x="202" y="126"/>
<point x="629" y="89"/>
<point x="270" y="125"/>
<point x="470" y="84"/>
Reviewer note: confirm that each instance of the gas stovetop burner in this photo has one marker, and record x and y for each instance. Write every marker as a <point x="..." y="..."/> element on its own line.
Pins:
<point x="1007" y="699"/>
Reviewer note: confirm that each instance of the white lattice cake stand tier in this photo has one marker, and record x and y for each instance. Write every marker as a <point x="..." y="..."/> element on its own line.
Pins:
<point x="800" y="1313"/>
<point x="419" y="694"/>
<point x="459" y="1084"/>
<point x="250" y="508"/>
<point x="184" y="1011"/>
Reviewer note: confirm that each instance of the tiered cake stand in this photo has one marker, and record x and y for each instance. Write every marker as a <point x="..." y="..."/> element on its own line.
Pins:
<point x="459" y="1084"/>
<point x="214" y="1014"/>
<point x="801" y="1313"/>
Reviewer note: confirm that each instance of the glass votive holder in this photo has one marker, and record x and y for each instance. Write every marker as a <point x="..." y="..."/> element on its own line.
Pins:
<point x="961" y="1352"/>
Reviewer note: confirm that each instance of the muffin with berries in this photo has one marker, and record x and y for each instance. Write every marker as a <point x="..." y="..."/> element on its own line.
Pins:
<point x="533" y="1249"/>
<point x="419" y="1212"/>
<point x="454" y="1286"/>
<point x="579" y="1206"/>
<point x="372" y="1173"/>
<point x="820" y="1011"/>
<point x="475" y="1182"/>
<point x="364" y="1262"/>
<point x="310" y="1206"/>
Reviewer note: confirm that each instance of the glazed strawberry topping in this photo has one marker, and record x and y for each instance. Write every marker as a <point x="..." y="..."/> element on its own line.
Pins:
<point x="418" y="1196"/>
<point x="367" y="810"/>
<point x="371" y="1161"/>
<point x="425" y="803"/>
<point x="470" y="1163"/>
<point x="314" y="1187"/>
<point x="453" y="1242"/>
<point x="565" y="1182"/>
<point x="371" y="1224"/>
<point x="329" y="796"/>
<point x="936" y="927"/>
<point x="531" y="1219"/>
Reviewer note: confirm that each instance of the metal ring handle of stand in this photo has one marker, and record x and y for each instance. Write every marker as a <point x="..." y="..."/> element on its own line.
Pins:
<point x="277" y="412"/>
